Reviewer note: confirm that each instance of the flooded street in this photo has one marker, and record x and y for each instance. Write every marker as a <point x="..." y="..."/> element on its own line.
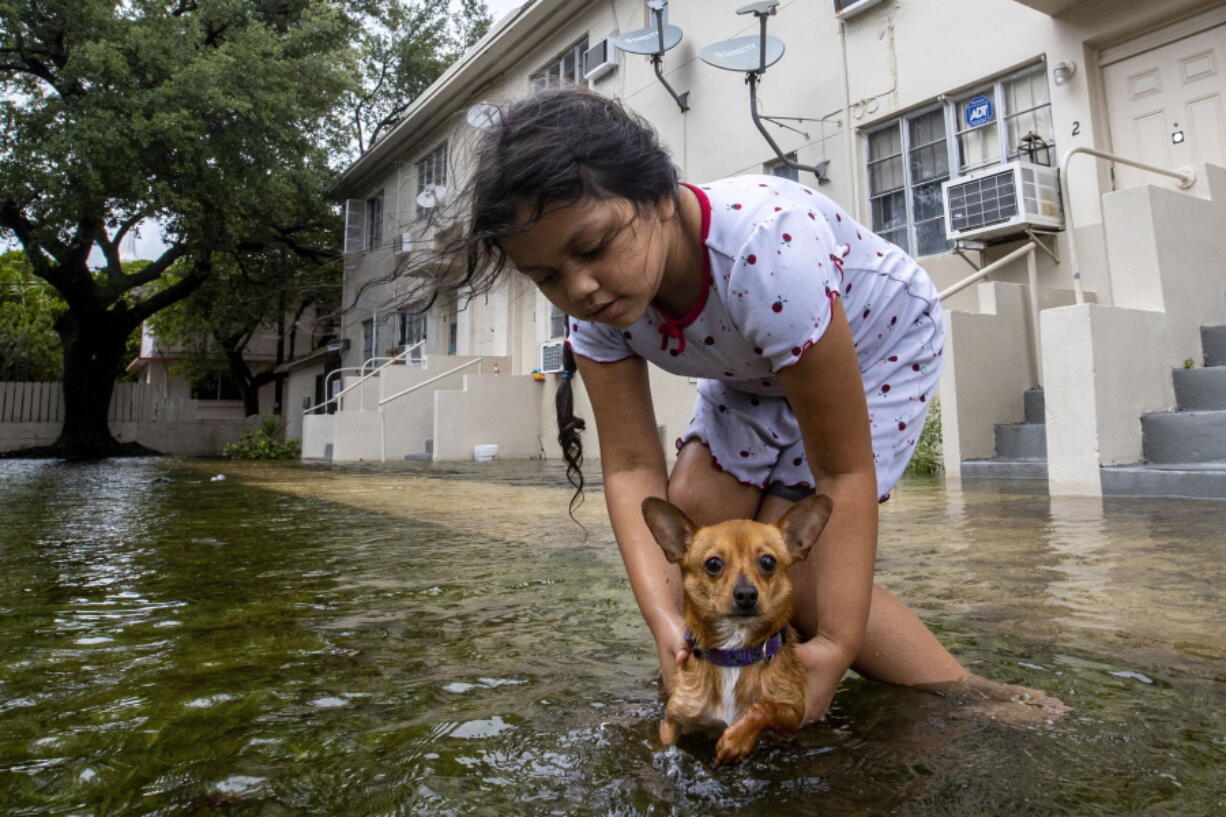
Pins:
<point x="442" y="639"/>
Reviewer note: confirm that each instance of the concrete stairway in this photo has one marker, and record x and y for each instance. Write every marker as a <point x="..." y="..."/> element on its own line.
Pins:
<point x="1184" y="450"/>
<point x="1021" y="448"/>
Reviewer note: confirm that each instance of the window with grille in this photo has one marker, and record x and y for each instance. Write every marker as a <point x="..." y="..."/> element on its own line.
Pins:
<point x="557" y="322"/>
<point x="431" y="170"/>
<point x="783" y="169"/>
<point x="909" y="157"/>
<point x="374" y="221"/>
<point x="368" y="339"/>
<point x="567" y="67"/>
<point x="412" y="329"/>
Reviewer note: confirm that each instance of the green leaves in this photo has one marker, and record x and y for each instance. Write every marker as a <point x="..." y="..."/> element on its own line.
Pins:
<point x="29" y="347"/>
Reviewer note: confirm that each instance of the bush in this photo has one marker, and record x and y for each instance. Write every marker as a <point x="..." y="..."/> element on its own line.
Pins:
<point x="927" y="459"/>
<point x="264" y="443"/>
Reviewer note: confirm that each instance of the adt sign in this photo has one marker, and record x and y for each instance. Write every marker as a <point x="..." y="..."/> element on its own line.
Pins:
<point x="979" y="111"/>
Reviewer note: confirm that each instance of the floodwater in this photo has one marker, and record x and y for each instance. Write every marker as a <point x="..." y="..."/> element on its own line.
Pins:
<point x="442" y="639"/>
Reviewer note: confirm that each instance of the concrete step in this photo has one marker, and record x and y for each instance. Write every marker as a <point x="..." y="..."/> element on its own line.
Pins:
<point x="1032" y="401"/>
<point x="1189" y="480"/>
<point x="1201" y="389"/>
<point x="1021" y="441"/>
<point x="1184" y="436"/>
<point x="1213" y="342"/>
<point x="1003" y="468"/>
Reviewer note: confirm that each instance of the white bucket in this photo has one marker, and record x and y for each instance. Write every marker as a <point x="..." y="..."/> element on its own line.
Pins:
<point x="484" y="453"/>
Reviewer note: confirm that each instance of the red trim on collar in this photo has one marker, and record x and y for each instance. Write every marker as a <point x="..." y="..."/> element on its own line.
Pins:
<point x="670" y="323"/>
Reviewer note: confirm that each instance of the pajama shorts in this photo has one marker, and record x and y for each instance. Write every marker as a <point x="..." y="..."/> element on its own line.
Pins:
<point x="757" y="439"/>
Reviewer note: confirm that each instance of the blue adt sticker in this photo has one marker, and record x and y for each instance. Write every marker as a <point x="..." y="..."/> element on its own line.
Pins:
<point x="978" y="111"/>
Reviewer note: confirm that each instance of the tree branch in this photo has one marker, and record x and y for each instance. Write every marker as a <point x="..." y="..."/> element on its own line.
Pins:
<point x="174" y="293"/>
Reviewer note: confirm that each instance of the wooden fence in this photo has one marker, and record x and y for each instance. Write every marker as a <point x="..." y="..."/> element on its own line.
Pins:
<point x="130" y="403"/>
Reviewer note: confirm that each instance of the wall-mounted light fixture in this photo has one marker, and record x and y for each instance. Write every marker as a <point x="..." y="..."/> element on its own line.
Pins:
<point x="1063" y="72"/>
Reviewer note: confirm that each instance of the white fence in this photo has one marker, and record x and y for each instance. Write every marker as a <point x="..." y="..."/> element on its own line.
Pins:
<point x="130" y="403"/>
<point x="32" y="414"/>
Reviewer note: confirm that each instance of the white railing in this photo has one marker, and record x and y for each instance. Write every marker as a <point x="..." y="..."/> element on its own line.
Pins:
<point x="384" y="401"/>
<point x="1032" y="274"/>
<point x="1186" y="177"/>
<point x="388" y="361"/>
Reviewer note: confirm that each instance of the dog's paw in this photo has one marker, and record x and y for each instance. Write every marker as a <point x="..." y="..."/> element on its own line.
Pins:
<point x="733" y="747"/>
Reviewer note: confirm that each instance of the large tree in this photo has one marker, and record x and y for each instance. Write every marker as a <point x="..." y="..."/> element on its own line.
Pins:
<point x="210" y="116"/>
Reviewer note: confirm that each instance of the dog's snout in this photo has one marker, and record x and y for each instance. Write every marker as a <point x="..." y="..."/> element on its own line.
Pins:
<point x="745" y="594"/>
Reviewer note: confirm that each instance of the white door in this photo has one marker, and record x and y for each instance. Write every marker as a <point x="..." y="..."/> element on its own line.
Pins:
<point x="1166" y="105"/>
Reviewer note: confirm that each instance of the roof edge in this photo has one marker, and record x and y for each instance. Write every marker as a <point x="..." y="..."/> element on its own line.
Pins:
<point x="483" y="57"/>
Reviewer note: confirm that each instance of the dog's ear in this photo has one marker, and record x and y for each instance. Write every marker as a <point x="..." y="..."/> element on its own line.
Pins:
<point x="673" y="529"/>
<point x="803" y="523"/>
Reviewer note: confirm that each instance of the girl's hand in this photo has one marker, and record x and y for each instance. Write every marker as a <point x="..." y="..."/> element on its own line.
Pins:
<point x="824" y="663"/>
<point x="670" y="643"/>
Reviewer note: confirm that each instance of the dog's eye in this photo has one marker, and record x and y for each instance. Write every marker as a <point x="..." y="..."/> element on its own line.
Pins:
<point x="767" y="563"/>
<point x="713" y="565"/>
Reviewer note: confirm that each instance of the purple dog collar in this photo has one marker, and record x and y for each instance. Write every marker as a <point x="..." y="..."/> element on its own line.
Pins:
<point x="742" y="656"/>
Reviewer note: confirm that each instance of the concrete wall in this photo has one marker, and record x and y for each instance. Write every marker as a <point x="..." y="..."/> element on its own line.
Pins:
<point x="482" y="414"/>
<point x="1112" y="366"/>
<point x="987" y="368"/>
<point x="201" y="438"/>
<point x="1168" y="253"/>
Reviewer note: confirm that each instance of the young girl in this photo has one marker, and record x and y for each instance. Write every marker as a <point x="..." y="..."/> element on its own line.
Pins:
<point x="816" y="343"/>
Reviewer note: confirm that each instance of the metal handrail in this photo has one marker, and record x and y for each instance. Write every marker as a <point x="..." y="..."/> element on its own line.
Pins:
<point x="1032" y="274"/>
<point x="1186" y="177"/>
<point x="413" y="388"/>
<point x="361" y="369"/>
<point x="428" y="381"/>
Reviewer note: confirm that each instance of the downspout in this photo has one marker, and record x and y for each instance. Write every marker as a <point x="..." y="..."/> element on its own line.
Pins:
<point x="848" y="139"/>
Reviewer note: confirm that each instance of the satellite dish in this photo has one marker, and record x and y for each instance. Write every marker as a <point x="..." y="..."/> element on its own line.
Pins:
<point x="647" y="40"/>
<point x="767" y="7"/>
<point x="432" y="196"/>
<point x="484" y="116"/>
<point x="752" y="55"/>
<point x="653" y="41"/>
<point x="742" y="53"/>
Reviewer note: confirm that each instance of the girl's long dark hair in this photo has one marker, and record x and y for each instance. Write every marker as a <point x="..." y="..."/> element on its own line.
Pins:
<point x="569" y="427"/>
<point x="556" y="147"/>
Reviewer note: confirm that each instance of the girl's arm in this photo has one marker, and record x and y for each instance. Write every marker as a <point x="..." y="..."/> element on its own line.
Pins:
<point x="826" y="392"/>
<point x="632" y="462"/>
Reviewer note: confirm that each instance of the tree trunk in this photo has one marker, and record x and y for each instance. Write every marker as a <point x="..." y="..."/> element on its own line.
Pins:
<point x="93" y="354"/>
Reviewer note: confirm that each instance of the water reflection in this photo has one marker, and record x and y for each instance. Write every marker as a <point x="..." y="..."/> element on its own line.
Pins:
<point x="424" y="639"/>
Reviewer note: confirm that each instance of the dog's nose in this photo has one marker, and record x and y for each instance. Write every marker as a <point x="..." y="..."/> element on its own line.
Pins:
<point x="745" y="594"/>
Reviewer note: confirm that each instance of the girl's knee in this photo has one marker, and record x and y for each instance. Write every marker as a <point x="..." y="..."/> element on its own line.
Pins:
<point x="704" y="493"/>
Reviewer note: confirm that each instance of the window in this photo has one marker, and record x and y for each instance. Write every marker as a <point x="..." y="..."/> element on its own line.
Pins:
<point x="412" y="329"/>
<point x="215" y="387"/>
<point x="782" y="169"/>
<point x="431" y="169"/>
<point x="567" y="67"/>
<point x="368" y="339"/>
<point x="557" y="322"/>
<point x="909" y="158"/>
<point x="374" y="221"/>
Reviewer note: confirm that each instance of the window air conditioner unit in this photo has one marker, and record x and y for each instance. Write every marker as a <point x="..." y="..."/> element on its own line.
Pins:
<point x="404" y="244"/>
<point x="1001" y="201"/>
<point x="599" y="60"/>
<point x="551" y="357"/>
<point x="850" y="8"/>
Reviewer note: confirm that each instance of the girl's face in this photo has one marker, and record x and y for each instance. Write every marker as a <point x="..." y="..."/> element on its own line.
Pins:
<point x="596" y="260"/>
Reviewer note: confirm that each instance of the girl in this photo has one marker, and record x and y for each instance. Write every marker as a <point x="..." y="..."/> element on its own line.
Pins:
<point x="817" y="344"/>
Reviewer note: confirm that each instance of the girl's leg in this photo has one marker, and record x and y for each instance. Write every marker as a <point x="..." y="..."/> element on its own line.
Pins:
<point x="898" y="648"/>
<point x="707" y="495"/>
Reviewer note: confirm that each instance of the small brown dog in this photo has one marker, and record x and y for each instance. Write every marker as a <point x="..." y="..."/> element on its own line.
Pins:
<point x="742" y="676"/>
